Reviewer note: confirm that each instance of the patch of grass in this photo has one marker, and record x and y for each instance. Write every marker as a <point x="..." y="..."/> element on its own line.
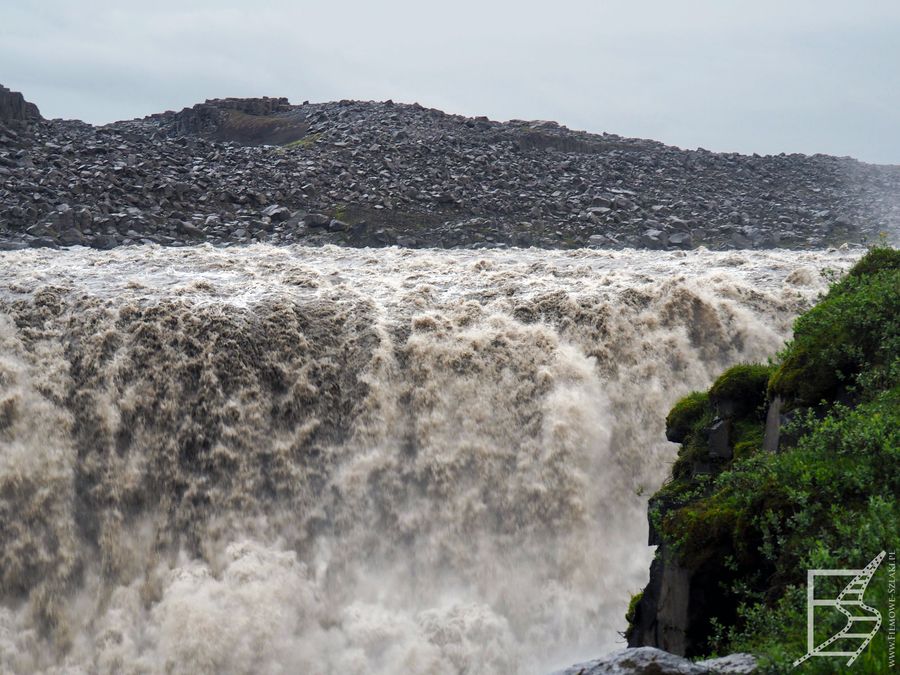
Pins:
<point x="340" y="213"/>
<point x="305" y="142"/>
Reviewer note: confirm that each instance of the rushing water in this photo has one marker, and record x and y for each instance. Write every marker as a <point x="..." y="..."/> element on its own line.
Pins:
<point x="268" y="460"/>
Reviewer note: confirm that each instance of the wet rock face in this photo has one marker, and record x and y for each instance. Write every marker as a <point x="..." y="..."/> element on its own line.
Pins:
<point x="14" y="107"/>
<point x="405" y="175"/>
<point x="668" y="594"/>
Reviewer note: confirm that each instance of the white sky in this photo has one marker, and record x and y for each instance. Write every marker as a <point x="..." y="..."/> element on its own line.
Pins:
<point x="753" y="76"/>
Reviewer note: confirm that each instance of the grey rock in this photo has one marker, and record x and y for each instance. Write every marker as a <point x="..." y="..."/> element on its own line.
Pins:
<point x="84" y="218"/>
<point x="12" y="245"/>
<point x="772" y="433"/>
<point x="733" y="664"/>
<point x="652" y="661"/>
<point x="71" y="237"/>
<point x="104" y="242"/>
<point x="277" y="213"/>
<point x="14" y="107"/>
<point x="316" y="220"/>
<point x="638" y="661"/>
<point x="45" y="229"/>
<point x="717" y="436"/>
<point x="655" y="239"/>
<point x="622" y="202"/>
<point x="43" y="242"/>
<point x="741" y="240"/>
<point x="663" y="614"/>
<point x="188" y="228"/>
<point x="680" y="240"/>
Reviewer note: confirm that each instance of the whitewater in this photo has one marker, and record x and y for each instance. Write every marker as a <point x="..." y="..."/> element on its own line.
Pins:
<point x="332" y="460"/>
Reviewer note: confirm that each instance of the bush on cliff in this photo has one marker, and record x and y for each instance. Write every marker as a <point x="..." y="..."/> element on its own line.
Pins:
<point x="854" y="330"/>
<point x="829" y="497"/>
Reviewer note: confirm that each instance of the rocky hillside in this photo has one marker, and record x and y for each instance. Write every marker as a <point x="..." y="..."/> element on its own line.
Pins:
<point x="372" y="174"/>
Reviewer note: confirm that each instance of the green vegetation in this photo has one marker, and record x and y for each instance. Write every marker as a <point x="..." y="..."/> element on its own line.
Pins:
<point x="753" y="525"/>
<point x="878" y="259"/>
<point x="632" y="608"/>
<point x="305" y="142"/>
<point x="854" y="330"/>
<point x="747" y="438"/>
<point x="340" y="213"/>
<point x="685" y="414"/>
<point x="744" y="385"/>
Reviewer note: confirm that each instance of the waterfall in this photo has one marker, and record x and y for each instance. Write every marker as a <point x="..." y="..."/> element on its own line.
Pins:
<point x="329" y="460"/>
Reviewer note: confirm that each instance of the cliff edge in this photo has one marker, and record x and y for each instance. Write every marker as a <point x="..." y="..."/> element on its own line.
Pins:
<point x="783" y="467"/>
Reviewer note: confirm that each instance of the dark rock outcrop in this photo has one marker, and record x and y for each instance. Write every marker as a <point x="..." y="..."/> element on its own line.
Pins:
<point x="248" y="121"/>
<point x="774" y="421"/>
<point x="662" y="617"/>
<point x="14" y="107"/>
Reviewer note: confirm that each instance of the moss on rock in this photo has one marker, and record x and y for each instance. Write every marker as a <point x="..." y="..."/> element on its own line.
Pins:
<point x="630" y="613"/>
<point x="744" y="386"/>
<point x="685" y="414"/>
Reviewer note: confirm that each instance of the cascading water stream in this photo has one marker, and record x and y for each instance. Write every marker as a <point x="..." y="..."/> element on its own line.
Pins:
<point x="266" y="460"/>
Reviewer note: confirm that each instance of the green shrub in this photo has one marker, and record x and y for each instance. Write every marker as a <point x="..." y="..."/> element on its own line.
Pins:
<point x="878" y="259"/>
<point x="855" y="328"/>
<point x="695" y="448"/>
<point x="746" y="438"/>
<point x="632" y="609"/>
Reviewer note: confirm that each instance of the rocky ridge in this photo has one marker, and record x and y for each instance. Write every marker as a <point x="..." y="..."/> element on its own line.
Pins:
<point x="233" y="171"/>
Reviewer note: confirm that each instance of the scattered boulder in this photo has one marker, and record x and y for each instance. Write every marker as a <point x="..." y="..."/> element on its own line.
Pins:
<point x="316" y="220"/>
<point x="71" y="237"/>
<point x="733" y="664"/>
<point x="277" y="213"/>
<point x="652" y="661"/>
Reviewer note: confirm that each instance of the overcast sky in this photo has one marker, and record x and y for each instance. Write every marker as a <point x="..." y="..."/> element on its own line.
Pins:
<point x="760" y="76"/>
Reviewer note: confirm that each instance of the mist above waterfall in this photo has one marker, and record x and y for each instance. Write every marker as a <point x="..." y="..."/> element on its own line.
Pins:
<point x="333" y="460"/>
